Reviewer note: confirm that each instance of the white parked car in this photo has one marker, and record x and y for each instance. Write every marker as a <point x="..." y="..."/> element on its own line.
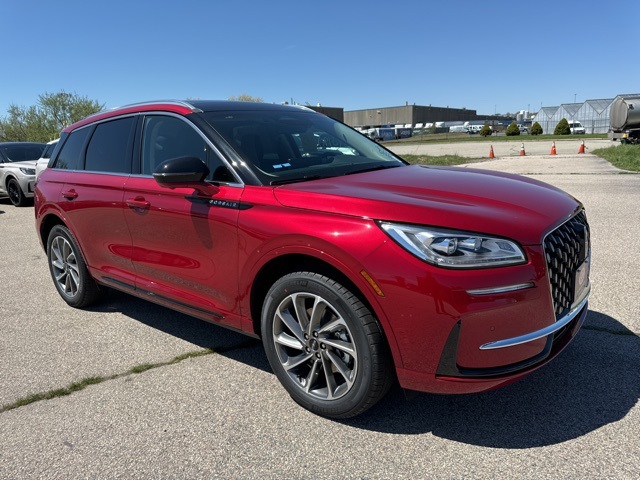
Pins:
<point x="43" y="161"/>
<point x="18" y="170"/>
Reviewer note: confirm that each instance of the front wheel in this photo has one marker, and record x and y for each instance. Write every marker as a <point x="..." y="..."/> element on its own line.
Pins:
<point x="16" y="194"/>
<point x="324" y="345"/>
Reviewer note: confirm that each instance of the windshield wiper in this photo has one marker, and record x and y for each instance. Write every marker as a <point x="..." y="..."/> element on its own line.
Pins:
<point x="372" y="169"/>
<point x="285" y="181"/>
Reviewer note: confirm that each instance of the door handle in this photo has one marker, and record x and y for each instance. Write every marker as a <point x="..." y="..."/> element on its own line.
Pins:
<point x="138" y="202"/>
<point x="70" y="194"/>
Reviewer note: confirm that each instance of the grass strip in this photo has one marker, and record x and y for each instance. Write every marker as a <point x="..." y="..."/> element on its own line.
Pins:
<point x="82" y="384"/>
<point x="625" y="157"/>
<point x="440" y="160"/>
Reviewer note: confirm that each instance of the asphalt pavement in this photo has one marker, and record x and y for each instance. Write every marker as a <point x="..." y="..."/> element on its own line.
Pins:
<point x="206" y="405"/>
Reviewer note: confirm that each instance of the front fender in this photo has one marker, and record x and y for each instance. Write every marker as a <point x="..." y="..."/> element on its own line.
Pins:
<point x="344" y="258"/>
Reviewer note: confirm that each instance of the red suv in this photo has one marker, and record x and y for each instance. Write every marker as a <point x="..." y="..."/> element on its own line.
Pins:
<point x="354" y="267"/>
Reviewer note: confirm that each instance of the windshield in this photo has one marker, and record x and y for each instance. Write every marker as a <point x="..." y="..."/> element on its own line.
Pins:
<point x="291" y="146"/>
<point x="22" y="152"/>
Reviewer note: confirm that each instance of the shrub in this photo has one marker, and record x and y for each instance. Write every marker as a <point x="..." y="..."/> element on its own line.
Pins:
<point x="513" y="130"/>
<point x="536" y="129"/>
<point x="486" y="131"/>
<point x="562" y="128"/>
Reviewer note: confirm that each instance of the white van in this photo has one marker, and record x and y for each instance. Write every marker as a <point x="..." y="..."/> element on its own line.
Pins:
<point x="474" y="128"/>
<point x="576" y="127"/>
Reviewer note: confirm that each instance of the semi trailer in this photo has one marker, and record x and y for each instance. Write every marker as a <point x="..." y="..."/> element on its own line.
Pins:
<point x="625" y="119"/>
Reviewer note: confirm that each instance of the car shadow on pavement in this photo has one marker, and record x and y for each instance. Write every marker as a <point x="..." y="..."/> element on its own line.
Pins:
<point x="198" y="332"/>
<point x="594" y="382"/>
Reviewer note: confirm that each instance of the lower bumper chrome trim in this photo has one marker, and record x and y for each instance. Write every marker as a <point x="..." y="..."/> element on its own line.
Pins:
<point x="505" y="289"/>
<point x="529" y="337"/>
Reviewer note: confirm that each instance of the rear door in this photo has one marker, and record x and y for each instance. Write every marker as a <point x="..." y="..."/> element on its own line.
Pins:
<point x="92" y="167"/>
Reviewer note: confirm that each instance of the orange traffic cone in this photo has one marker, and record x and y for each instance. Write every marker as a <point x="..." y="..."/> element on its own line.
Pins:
<point x="491" y="155"/>
<point x="581" y="147"/>
<point x="553" y="148"/>
<point x="522" y="154"/>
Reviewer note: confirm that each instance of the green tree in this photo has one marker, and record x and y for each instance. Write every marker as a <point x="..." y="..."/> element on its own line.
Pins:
<point x="486" y="131"/>
<point x="513" y="130"/>
<point x="45" y="120"/>
<point x="536" y="129"/>
<point x="246" y="98"/>
<point x="562" y="128"/>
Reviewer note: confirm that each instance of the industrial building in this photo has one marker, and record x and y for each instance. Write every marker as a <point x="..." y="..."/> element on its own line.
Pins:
<point x="406" y="115"/>
<point x="594" y="115"/>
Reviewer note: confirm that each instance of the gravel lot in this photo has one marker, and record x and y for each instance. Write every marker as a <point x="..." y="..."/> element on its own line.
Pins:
<point x="224" y="414"/>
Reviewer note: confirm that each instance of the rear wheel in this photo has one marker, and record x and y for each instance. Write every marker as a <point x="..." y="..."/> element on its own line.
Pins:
<point x="324" y="345"/>
<point x="69" y="270"/>
<point x="15" y="193"/>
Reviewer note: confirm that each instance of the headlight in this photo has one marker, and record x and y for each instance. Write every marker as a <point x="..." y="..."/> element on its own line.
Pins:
<point x="453" y="248"/>
<point x="28" y="171"/>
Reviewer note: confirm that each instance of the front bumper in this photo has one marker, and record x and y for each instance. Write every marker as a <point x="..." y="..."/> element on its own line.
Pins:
<point x="556" y="337"/>
<point x="472" y="330"/>
<point x="544" y="332"/>
<point x="451" y="379"/>
<point x="27" y="184"/>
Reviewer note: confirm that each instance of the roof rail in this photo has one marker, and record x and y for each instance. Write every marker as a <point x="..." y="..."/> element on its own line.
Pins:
<point x="133" y="108"/>
<point x="181" y="103"/>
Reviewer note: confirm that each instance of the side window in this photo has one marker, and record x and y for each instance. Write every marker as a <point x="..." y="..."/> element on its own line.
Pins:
<point x="109" y="147"/>
<point x="167" y="137"/>
<point x="69" y="157"/>
<point x="47" y="151"/>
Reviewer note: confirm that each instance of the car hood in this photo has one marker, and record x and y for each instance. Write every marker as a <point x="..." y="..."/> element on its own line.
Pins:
<point x="23" y="164"/>
<point x="474" y="200"/>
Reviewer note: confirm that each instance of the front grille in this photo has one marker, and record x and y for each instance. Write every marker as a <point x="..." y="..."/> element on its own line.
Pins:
<point x="565" y="249"/>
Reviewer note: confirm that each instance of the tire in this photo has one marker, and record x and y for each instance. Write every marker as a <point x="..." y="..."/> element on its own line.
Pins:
<point x="15" y="193"/>
<point x="325" y="346"/>
<point x="69" y="270"/>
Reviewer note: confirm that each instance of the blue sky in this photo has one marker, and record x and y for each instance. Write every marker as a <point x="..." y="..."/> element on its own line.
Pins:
<point x="490" y="56"/>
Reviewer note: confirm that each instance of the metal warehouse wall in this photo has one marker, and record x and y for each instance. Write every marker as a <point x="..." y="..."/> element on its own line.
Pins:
<point x="333" y="112"/>
<point x="379" y="116"/>
<point x="408" y="114"/>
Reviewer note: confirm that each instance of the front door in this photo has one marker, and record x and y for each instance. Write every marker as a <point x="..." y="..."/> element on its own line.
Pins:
<point x="184" y="244"/>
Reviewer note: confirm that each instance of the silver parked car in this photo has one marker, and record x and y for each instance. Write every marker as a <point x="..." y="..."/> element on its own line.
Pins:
<point x="18" y="170"/>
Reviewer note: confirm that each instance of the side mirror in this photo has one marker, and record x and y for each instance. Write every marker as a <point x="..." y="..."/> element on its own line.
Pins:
<point x="184" y="172"/>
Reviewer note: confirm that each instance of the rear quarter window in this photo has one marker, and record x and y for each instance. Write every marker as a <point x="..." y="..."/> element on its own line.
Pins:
<point x="110" y="146"/>
<point x="70" y="156"/>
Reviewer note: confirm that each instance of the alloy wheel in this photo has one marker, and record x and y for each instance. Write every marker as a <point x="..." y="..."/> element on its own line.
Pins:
<point x="64" y="266"/>
<point x="315" y="346"/>
<point x="13" y="190"/>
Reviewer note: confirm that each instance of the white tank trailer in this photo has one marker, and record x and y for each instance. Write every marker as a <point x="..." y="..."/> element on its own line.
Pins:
<point x="625" y="119"/>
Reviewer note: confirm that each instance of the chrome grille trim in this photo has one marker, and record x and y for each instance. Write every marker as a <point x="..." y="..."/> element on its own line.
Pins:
<point x="565" y="248"/>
